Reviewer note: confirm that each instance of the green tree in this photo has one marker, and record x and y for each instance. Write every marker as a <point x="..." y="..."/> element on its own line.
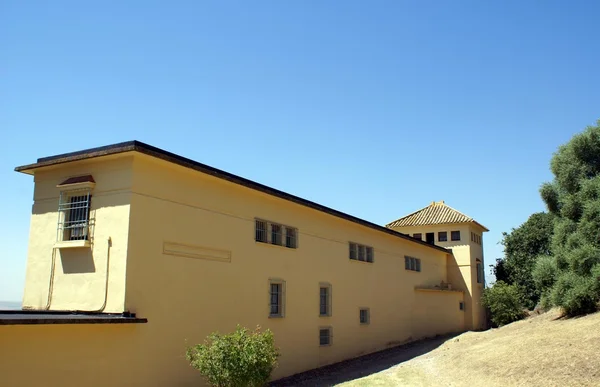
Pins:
<point x="573" y="197"/>
<point x="522" y="247"/>
<point x="505" y="303"/>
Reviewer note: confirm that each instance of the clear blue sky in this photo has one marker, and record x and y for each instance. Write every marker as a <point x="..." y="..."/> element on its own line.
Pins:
<point x="375" y="108"/>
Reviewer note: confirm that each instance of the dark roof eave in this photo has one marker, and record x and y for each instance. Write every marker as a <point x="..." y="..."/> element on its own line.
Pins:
<point x="391" y="224"/>
<point x="150" y="150"/>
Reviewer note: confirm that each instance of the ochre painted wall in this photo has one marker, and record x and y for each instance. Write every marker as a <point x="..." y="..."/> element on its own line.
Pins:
<point x="437" y="312"/>
<point x="72" y="356"/>
<point x="462" y="266"/>
<point x="184" y="257"/>
<point x="187" y="298"/>
<point x="80" y="274"/>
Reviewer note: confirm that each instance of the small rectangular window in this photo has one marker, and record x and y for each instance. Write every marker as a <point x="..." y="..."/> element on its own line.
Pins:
<point x="429" y="238"/>
<point x="261" y="231"/>
<point x="74" y="215"/>
<point x="418" y="236"/>
<point x="455" y="235"/>
<point x="362" y="253"/>
<point x="324" y="300"/>
<point x="325" y="336"/>
<point x="353" y="251"/>
<point x="442" y="236"/>
<point x="364" y="316"/>
<point x="461" y="305"/>
<point x="479" y="272"/>
<point x="290" y="237"/>
<point x="276" y="298"/>
<point x="412" y="264"/>
<point x="369" y="254"/>
<point x="276" y="234"/>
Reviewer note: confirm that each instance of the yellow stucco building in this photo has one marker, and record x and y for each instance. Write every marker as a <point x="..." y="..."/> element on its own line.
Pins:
<point x="135" y="253"/>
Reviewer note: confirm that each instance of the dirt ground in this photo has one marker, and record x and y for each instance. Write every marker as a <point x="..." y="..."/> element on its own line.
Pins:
<point x="543" y="350"/>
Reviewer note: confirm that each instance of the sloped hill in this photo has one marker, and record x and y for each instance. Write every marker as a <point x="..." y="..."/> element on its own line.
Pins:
<point x="543" y="350"/>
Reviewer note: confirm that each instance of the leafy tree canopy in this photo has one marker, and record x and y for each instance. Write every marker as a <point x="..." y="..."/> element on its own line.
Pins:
<point x="522" y="247"/>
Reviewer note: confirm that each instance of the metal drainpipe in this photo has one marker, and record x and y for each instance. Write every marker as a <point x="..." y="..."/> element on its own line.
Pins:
<point x="51" y="283"/>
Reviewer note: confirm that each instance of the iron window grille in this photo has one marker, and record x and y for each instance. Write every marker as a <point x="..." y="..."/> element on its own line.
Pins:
<point x="325" y="336"/>
<point x="290" y="237"/>
<point x="261" y="231"/>
<point x="359" y="252"/>
<point x="275" y="234"/>
<point x="412" y="264"/>
<point x="74" y="215"/>
<point x="276" y="298"/>
<point x="364" y="316"/>
<point x="455" y="235"/>
<point x="324" y="300"/>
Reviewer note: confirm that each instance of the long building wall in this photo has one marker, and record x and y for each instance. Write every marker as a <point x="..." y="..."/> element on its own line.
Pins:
<point x="191" y="266"/>
<point x="174" y="208"/>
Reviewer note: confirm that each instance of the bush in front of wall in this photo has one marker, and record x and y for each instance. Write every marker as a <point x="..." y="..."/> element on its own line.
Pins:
<point x="239" y="359"/>
<point x="505" y="303"/>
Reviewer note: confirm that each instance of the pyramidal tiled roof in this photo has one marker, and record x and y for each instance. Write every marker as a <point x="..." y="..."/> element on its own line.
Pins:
<point x="435" y="213"/>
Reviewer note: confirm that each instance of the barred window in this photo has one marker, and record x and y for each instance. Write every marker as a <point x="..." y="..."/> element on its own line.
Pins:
<point x="364" y="316"/>
<point x="353" y="251"/>
<point x="325" y="300"/>
<point x="455" y="235"/>
<point x="418" y="236"/>
<point x="290" y="237"/>
<point x="412" y="264"/>
<point x="261" y="231"/>
<point x="276" y="298"/>
<point x="325" y="336"/>
<point x="275" y="234"/>
<point x="361" y="252"/>
<point x="74" y="215"/>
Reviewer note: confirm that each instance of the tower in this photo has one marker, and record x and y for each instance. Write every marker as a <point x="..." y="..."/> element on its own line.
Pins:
<point x="444" y="226"/>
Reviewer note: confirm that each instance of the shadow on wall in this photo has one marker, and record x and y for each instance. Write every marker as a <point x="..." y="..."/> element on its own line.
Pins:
<point x="78" y="260"/>
<point x="363" y="366"/>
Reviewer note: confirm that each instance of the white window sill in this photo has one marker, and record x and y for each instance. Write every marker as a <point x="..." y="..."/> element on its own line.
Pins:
<point x="72" y="244"/>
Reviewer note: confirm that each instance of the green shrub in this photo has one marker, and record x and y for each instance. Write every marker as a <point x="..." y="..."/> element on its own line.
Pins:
<point x="545" y="301"/>
<point x="575" y="294"/>
<point x="242" y="358"/>
<point x="544" y="273"/>
<point x="505" y="303"/>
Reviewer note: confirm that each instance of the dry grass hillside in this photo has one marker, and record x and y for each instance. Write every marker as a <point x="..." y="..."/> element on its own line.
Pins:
<point x="544" y="350"/>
